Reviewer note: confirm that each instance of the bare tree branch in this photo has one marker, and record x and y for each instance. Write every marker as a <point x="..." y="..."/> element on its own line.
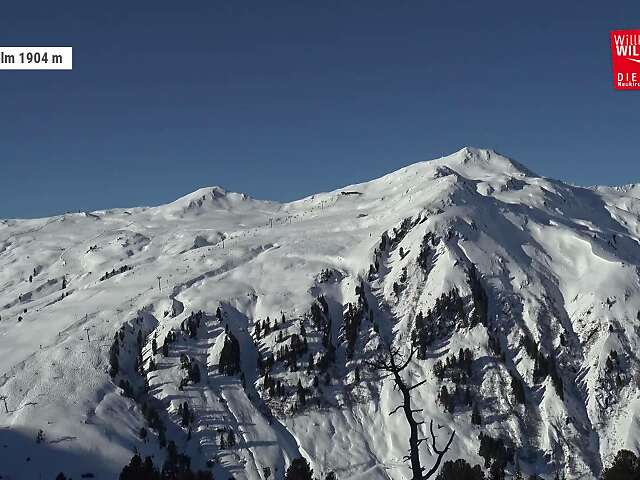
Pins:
<point x="392" y="364"/>
<point x="396" y="409"/>
<point x="418" y="384"/>
<point x="439" y="453"/>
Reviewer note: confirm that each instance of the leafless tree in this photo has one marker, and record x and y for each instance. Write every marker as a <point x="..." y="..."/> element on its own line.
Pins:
<point x="391" y="363"/>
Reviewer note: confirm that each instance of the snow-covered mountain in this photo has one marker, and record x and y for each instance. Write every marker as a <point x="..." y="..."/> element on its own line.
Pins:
<point x="535" y="280"/>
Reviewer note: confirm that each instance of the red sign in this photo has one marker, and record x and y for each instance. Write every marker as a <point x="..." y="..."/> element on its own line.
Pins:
<point x="625" y="58"/>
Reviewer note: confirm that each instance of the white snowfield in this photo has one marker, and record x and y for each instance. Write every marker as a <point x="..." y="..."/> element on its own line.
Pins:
<point x="559" y="263"/>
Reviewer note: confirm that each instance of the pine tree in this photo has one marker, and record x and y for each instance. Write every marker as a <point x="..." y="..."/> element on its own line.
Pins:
<point x="194" y="373"/>
<point x="114" y="364"/>
<point x="445" y="399"/>
<point x="496" y="472"/>
<point x="229" y="363"/>
<point x="299" y="470"/>
<point x="476" y="419"/>
<point x="301" y="394"/>
<point x="518" y="389"/>
<point x="460" y="470"/>
<point x="231" y="439"/>
<point x="162" y="439"/>
<point x="625" y="466"/>
<point x="257" y="330"/>
<point x="139" y="470"/>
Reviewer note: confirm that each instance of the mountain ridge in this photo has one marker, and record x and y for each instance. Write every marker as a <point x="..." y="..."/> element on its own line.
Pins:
<point x="537" y="279"/>
<point x="466" y="154"/>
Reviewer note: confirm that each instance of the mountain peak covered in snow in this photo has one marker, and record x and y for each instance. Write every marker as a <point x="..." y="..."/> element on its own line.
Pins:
<point x="482" y="161"/>
<point x="207" y="198"/>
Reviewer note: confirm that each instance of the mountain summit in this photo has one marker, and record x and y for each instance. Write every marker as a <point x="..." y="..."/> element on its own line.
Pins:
<point x="241" y="333"/>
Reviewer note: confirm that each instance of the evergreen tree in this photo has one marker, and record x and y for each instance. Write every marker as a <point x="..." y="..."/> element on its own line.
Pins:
<point x="176" y="467"/>
<point x="518" y="389"/>
<point x="479" y="296"/>
<point x="114" y="364"/>
<point x="476" y="419"/>
<point x="540" y="367"/>
<point x="302" y="400"/>
<point x="625" y="466"/>
<point x="229" y="363"/>
<point x="194" y="373"/>
<point x="186" y="414"/>
<point x="299" y="470"/>
<point x="446" y="399"/>
<point x="494" y="450"/>
<point x="139" y="470"/>
<point x="496" y="472"/>
<point x="460" y="470"/>
<point x="231" y="439"/>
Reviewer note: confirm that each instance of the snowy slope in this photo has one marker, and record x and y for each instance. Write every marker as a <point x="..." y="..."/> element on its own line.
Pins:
<point x="558" y="264"/>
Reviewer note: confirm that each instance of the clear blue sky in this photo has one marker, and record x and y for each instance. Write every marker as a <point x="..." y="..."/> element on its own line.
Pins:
<point x="283" y="99"/>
